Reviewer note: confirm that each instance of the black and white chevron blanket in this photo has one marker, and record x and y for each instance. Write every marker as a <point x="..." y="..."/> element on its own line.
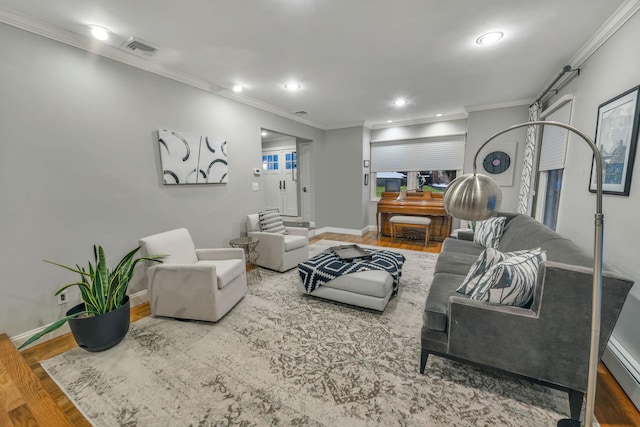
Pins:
<point x="327" y="266"/>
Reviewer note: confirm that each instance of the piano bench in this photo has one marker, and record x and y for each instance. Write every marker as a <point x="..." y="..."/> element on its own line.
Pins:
<point x="410" y="221"/>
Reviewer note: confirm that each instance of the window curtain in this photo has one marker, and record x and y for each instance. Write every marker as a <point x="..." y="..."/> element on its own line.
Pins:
<point x="524" y="197"/>
<point x="438" y="153"/>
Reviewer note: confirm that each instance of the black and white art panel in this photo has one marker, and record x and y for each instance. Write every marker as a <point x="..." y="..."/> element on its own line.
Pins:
<point x="192" y="159"/>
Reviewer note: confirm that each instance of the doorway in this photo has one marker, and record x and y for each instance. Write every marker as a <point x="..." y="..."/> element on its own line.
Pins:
<point x="282" y="166"/>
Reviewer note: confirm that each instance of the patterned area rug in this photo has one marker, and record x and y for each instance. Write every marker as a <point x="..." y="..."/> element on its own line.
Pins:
<point x="282" y="358"/>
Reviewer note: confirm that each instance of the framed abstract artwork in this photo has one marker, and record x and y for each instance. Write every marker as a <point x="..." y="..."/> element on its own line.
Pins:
<point x="192" y="159"/>
<point x="617" y="139"/>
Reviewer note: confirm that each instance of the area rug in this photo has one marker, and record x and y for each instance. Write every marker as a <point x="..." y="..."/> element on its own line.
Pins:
<point x="287" y="359"/>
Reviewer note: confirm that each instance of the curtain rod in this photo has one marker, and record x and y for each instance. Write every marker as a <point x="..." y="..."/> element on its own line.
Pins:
<point x="565" y="69"/>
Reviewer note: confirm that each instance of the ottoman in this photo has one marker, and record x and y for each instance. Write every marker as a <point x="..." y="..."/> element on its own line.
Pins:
<point x="368" y="289"/>
<point x="369" y="282"/>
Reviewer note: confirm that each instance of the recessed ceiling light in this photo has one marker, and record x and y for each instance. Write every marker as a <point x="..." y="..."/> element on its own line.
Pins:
<point x="400" y="102"/>
<point x="238" y="88"/>
<point x="389" y="121"/>
<point x="99" y="33"/>
<point x="292" y="86"/>
<point x="264" y="133"/>
<point x="439" y="115"/>
<point x="489" y="38"/>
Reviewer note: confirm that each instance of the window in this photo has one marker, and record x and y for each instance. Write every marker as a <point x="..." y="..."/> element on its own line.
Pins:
<point x="436" y="181"/>
<point x="270" y="162"/>
<point x="428" y="163"/>
<point x="553" y="148"/>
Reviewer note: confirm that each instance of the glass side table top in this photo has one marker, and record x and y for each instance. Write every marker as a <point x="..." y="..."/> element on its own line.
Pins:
<point x="243" y="240"/>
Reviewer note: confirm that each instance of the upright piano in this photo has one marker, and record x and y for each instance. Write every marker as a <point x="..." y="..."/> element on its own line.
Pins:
<point x="419" y="203"/>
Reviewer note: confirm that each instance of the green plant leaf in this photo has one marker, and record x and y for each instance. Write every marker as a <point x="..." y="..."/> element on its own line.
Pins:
<point x="52" y="327"/>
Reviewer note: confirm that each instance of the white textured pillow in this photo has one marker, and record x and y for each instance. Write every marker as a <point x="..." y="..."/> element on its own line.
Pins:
<point x="511" y="282"/>
<point x="487" y="259"/>
<point x="489" y="232"/>
<point x="271" y="222"/>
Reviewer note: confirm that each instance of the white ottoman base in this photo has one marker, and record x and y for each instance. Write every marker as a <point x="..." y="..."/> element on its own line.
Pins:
<point x="369" y="289"/>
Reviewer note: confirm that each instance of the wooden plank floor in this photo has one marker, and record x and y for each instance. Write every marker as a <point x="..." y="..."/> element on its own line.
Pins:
<point x="613" y="407"/>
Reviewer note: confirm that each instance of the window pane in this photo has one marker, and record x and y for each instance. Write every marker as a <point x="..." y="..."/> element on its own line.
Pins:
<point x="552" y="198"/>
<point x="436" y="181"/>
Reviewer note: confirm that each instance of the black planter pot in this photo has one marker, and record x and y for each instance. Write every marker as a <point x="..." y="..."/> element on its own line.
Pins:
<point x="98" y="333"/>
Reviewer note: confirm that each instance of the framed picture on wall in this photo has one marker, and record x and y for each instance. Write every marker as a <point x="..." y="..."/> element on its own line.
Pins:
<point x="617" y="138"/>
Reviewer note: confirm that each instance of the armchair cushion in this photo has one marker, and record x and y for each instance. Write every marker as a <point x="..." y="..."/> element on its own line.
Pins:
<point x="226" y="270"/>
<point x="271" y="221"/>
<point x="489" y="232"/>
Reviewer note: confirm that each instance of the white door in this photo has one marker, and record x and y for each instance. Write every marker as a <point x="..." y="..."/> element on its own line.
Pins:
<point x="305" y="180"/>
<point x="280" y="173"/>
<point x="271" y="179"/>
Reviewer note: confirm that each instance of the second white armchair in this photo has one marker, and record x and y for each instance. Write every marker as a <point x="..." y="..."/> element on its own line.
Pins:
<point x="280" y="252"/>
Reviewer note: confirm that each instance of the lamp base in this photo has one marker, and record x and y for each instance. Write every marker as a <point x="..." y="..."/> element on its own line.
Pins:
<point x="567" y="422"/>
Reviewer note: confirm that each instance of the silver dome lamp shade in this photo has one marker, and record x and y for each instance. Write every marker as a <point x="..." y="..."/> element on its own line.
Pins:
<point x="472" y="197"/>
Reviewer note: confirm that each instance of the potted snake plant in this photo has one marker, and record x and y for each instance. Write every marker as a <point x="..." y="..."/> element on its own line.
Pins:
<point x="102" y="319"/>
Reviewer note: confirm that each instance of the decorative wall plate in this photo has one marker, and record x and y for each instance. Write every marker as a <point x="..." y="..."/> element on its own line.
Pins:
<point x="496" y="162"/>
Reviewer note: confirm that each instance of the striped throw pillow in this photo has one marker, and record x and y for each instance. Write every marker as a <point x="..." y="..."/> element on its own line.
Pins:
<point x="512" y="281"/>
<point x="487" y="259"/>
<point x="489" y="232"/>
<point x="271" y="222"/>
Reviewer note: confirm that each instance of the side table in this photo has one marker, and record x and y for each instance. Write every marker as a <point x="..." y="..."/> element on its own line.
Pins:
<point x="248" y="245"/>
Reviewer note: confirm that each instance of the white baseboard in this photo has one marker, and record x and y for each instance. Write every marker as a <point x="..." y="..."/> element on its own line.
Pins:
<point x="339" y="230"/>
<point x="624" y="368"/>
<point x="136" y="299"/>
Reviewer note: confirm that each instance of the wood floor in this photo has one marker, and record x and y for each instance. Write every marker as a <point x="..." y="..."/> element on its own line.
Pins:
<point x="23" y="402"/>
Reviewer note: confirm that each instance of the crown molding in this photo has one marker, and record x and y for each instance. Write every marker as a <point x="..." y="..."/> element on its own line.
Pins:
<point x="420" y="121"/>
<point x="346" y="125"/>
<point x="606" y="30"/>
<point x="609" y="28"/>
<point x="507" y="104"/>
<point x="61" y="35"/>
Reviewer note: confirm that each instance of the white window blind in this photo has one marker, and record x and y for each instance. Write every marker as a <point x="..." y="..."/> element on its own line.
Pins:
<point x="441" y="153"/>
<point x="554" y="140"/>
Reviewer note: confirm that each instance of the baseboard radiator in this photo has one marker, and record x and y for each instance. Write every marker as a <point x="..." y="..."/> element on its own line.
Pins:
<point x="625" y="368"/>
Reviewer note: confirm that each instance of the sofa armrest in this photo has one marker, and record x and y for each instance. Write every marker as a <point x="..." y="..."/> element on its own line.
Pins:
<point x="219" y="254"/>
<point x="180" y="281"/>
<point x="298" y="231"/>
<point x="271" y="240"/>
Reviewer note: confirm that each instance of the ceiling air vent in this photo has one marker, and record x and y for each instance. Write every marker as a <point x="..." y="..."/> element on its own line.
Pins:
<point x="139" y="47"/>
<point x="301" y="112"/>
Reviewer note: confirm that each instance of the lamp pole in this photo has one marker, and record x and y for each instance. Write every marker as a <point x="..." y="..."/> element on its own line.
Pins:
<point x="466" y="202"/>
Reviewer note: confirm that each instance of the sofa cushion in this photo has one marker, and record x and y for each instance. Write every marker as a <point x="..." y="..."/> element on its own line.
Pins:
<point x="271" y="222"/>
<point x="511" y="282"/>
<point x="436" y="311"/>
<point x="454" y="262"/>
<point x="462" y="247"/>
<point x="489" y="232"/>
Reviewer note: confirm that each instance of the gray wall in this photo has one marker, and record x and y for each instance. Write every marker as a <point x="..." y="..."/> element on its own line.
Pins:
<point x="338" y="176"/>
<point x="482" y="125"/>
<point x="612" y="70"/>
<point x="79" y="165"/>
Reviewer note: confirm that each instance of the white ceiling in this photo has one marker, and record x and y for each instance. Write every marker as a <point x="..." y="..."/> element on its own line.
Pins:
<point x="353" y="57"/>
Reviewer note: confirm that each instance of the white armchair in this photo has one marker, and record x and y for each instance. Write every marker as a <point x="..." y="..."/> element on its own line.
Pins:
<point x="280" y="252"/>
<point x="197" y="284"/>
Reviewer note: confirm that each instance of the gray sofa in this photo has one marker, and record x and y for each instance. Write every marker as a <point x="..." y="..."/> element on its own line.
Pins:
<point x="547" y="342"/>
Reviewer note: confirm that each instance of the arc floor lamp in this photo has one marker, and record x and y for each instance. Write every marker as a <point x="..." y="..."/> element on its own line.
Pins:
<point x="476" y="197"/>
